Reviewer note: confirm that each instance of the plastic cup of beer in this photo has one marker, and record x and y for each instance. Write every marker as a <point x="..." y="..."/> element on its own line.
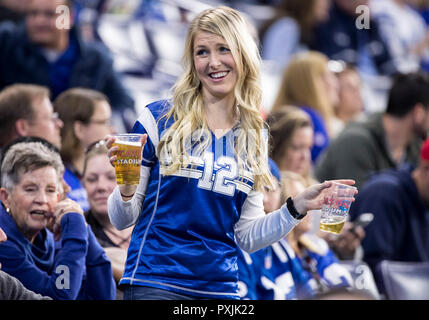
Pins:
<point x="336" y="205"/>
<point x="129" y="158"/>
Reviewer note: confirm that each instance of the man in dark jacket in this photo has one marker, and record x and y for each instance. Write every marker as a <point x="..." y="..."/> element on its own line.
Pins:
<point x="343" y="38"/>
<point x="385" y="140"/>
<point x="399" y="200"/>
<point x="47" y="50"/>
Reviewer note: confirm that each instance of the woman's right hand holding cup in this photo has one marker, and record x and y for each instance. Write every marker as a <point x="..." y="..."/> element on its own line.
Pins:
<point x="127" y="190"/>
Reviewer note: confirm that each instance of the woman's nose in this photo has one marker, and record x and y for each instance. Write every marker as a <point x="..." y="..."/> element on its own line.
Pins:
<point x="214" y="61"/>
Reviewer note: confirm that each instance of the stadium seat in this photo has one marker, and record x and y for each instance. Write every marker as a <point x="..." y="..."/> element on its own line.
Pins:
<point x="405" y="280"/>
<point x="363" y="279"/>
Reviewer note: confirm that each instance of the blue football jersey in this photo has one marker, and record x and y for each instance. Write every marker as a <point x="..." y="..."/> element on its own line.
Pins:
<point x="277" y="273"/>
<point x="249" y="273"/>
<point x="184" y="237"/>
<point x="259" y="279"/>
<point x="310" y="274"/>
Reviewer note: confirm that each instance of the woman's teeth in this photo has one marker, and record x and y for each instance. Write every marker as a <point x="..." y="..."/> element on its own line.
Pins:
<point x="218" y="75"/>
<point x="39" y="212"/>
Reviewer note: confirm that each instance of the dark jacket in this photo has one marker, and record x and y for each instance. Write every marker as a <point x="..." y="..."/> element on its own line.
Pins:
<point x="359" y="151"/>
<point x="400" y="229"/>
<point x="340" y="39"/>
<point x="91" y="67"/>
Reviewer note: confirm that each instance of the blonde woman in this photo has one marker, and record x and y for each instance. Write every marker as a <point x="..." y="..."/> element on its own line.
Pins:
<point x="308" y="83"/>
<point x="203" y="171"/>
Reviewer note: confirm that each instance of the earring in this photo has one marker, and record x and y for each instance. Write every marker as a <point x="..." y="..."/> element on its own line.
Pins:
<point x="7" y="210"/>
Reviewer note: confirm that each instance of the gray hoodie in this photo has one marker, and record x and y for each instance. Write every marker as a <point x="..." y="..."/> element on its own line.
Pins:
<point x="12" y="289"/>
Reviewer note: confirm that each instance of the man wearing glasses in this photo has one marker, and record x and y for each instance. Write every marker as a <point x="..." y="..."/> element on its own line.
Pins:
<point x="25" y="110"/>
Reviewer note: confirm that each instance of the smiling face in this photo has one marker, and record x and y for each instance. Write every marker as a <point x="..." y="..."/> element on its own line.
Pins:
<point x="31" y="202"/>
<point x="214" y="65"/>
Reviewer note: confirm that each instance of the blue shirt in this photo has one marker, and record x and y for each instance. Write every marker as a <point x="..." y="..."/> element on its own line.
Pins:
<point x="60" y="71"/>
<point x="78" y="270"/>
<point x="320" y="135"/>
<point x="77" y="191"/>
<point x="183" y="240"/>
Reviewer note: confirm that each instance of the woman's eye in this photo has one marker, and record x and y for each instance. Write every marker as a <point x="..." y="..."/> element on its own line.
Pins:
<point x="201" y="52"/>
<point x="224" y="49"/>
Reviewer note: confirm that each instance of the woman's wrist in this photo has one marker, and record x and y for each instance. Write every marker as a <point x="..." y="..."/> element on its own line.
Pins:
<point x="127" y="191"/>
<point x="127" y="196"/>
<point x="297" y="206"/>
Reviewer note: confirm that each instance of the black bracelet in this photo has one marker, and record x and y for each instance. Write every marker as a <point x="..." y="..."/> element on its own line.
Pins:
<point x="126" y="196"/>
<point x="291" y="207"/>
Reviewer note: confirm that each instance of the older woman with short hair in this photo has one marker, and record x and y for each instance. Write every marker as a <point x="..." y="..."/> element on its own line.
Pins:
<point x="74" y="268"/>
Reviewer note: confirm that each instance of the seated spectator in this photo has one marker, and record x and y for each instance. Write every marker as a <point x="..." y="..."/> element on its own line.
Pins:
<point x="86" y="115"/>
<point x="399" y="200"/>
<point x="350" y="104"/>
<point x="340" y="39"/>
<point x="11" y="288"/>
<point x="99" y="181"/>
<point x="313" y="264"/>
<point x="384" y="140"/>
<point x="296" y="267"/>
<point x="32" y="215"/>
<point x="42" y="53"/>
<point x="308" y="83"/>
<point x="290" y="31"/>
<point x="291" y="140"/>
<point x="404" y="31"/>
<point x="25" y="110"/>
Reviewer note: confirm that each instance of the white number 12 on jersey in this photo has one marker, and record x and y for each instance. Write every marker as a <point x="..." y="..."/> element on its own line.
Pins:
<point x="223" y="180"/>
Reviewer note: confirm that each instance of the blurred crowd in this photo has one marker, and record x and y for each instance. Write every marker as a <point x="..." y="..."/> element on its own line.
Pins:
<point x="345" y="89"/>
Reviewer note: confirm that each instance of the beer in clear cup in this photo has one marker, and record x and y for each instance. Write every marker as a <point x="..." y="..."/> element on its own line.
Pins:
<point x="129" y="157"/>
<point x="336" y="205"/>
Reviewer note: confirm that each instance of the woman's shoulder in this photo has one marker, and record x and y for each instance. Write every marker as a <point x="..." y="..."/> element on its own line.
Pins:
<point x="159" y="108"/>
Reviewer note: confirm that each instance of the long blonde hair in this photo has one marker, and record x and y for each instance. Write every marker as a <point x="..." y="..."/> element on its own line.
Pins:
<point x="300" y="84"/>
<point x="188" y="109"/>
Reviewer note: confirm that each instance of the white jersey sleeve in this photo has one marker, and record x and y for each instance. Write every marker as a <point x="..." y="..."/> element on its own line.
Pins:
<point x="124" y="214"/>
<point x="256" y="230"/>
